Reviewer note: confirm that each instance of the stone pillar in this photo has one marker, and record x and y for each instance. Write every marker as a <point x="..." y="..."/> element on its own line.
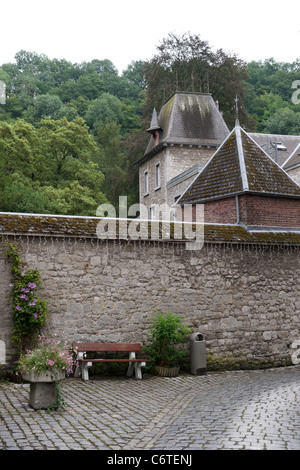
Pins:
<point x="43" y="395"/>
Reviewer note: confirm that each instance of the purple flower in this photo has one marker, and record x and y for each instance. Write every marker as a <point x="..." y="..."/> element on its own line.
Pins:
<point x="18" y="307"/>
<point x="23" y="296"/>
<point x="32" y="285"/>
<point x="35" y="315"/>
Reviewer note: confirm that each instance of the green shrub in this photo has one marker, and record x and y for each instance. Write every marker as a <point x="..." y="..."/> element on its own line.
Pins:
<point x="166" y="333"/>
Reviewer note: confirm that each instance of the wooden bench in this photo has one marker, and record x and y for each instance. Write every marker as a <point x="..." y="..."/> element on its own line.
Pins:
<point x="83" y="363"/>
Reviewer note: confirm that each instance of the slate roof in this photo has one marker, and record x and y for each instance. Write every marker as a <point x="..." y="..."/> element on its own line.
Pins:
<point x="293" y="160"/>
<point x="239" y="166"/>
<point x="188" y="119"/>
<point x="289" y="142"/>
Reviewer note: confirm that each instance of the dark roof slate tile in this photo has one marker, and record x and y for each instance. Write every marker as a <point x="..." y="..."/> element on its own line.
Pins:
<point x="189" y="119"/>
<point x="239" y="165"/>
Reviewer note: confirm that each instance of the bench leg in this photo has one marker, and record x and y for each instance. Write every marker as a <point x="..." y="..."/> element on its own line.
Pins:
<point x="85" y="370"/>
<point x="138" y="369"/>
<point x="131" y="366"/>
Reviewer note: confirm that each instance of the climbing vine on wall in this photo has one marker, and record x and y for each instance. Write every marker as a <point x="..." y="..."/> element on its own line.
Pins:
<point x="29" y="311"/>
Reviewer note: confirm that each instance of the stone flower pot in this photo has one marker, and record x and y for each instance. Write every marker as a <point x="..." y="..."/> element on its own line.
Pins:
<point x="43" y="388"/>
<point x="44" y="376"/>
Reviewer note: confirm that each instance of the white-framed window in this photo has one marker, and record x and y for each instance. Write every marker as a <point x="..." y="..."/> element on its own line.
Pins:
<point x="146" y="183"/>
<point x="152" y="213"/>
<point x="157" y="176"/>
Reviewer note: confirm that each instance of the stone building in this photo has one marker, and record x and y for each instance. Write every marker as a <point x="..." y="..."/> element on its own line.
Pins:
<point x="241" y="184"/>
<point x="184" y="136"/>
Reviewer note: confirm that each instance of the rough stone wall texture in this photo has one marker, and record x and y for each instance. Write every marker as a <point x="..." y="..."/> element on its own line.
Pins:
<point x="173" y="161"/>
<point x="155" y="195"/>
<point x="175" y="190"/>
<point x="245" y="300"/>
<point x="181" y="159"/>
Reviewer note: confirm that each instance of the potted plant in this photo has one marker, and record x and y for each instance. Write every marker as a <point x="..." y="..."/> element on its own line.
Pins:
<point x="44" y="367"/>
<point x="166" y="334"/>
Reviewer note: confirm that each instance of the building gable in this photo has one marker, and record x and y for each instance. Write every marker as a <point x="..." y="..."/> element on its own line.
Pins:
<point x="238" y="166"/>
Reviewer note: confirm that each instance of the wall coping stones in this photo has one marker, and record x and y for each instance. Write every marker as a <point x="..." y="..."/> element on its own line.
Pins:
<point x="20" y="224"/>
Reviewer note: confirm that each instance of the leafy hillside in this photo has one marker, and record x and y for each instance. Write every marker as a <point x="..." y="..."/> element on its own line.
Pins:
<point x="70" y="133"/>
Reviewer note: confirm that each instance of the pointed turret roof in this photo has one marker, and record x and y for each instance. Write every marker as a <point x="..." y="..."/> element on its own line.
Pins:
<point x="239" y="166"/>
<point x="154" y="122"/>
<point x="187" y="118"/>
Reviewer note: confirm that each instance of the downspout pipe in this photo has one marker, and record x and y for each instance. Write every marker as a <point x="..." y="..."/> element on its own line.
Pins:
<point x="237" y="202"/>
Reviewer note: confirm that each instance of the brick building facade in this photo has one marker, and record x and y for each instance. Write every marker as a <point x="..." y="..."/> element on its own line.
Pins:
<point x="191" y="154"/>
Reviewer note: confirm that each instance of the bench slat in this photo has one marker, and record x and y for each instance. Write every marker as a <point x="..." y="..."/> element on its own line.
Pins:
<point x="106" y="347"/>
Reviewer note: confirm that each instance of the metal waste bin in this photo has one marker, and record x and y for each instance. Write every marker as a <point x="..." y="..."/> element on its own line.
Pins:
<point x="198" y="354"/>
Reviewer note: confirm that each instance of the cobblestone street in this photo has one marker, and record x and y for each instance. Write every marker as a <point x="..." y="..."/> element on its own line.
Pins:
<point x="230" y="410"/>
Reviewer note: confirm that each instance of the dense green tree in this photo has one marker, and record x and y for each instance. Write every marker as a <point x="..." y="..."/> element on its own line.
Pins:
<point x="56" y="162"/>
<point x="44" y="106"/>
<point x="283" y="122"/>
<point x="99" y="66"/>
<point x="134" y="73"/>
<point x="264" y="106"/>
<point x="187" y="63"/>
<point x="15" y="150"/>
<point x="89" y="86"/>
<point x="268" y="91"/>
<point x="269" y="76"/>
<point x="112" y="160"/>
<point x="106" y="108"/>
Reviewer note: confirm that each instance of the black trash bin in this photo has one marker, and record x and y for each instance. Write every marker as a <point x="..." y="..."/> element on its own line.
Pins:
<point x="198" y="354"/>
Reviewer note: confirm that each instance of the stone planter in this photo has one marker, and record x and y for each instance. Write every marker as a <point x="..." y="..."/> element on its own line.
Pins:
<point x="44" y="376"/>
<point x="166" y="371"/>
<point x="43" y="389"/>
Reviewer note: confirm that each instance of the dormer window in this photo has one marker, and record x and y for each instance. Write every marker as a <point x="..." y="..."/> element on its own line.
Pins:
<point x="155" y="128"/>
<point x="156" y="137"/>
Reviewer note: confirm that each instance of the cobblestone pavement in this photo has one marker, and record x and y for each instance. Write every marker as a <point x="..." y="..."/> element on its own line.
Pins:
<point x="230" y="410"/>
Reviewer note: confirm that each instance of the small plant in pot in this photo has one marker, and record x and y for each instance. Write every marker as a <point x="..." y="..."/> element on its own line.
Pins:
<point x="45" y="367"/>
<point x="167" y="332"/>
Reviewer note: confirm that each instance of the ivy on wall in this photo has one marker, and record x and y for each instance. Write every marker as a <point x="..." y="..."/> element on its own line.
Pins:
<point x="30" y="313"/>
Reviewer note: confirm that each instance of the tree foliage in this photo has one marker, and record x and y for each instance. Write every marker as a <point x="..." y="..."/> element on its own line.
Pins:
<point x="187" y="63"/>
<point x="71" y="132"/>
<point x="51" y="168"/>
<point x="268" y="96"/>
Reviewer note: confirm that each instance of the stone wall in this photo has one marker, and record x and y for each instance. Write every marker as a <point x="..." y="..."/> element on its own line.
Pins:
<point x="244" y="299"/>
<point x="173" y="160"/>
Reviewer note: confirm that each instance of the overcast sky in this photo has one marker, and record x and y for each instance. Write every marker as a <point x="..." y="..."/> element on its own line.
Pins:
<point x="128" y="30"/>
